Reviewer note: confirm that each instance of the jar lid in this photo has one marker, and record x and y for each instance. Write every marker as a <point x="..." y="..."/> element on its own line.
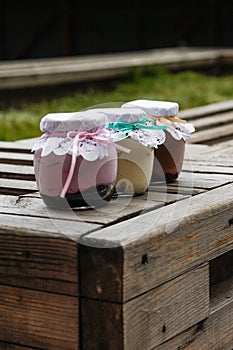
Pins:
<point x="130" y="115"/>
<point x="73" y="121"/>
<point x="154" y="108"/>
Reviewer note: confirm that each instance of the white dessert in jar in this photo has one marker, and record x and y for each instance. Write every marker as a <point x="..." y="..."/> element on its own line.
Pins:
<point x="130" y="130"/>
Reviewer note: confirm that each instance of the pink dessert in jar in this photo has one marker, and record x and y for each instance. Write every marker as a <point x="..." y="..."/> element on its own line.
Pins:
<point x="75" y="160"/>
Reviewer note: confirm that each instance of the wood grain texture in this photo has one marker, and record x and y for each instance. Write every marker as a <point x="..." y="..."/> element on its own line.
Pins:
<point x="12" y="171"/>
<point x="209" y="122"/>
<point x="167" y="310"/>
<point x="38" y="319"/>
<point x="149" y="319"/>
<point x="140" y="264"/>
<point x="9" y="146"/>
<point x="207" y="167"/>
<point x="41" y="226"/>
<point x="36" y="72"/>
<point x="220" y="154"/>
<point x="215" y="333"/>
<point x="102" y="325"/>
<point x="16" y="186"/>
<point x="202" y="180"/>
<point x="10" y="346"/>
<point x="39" y="262"/>
<point x="176" y="237"/>
<point x="221" y="294"/>
<point x="116" y="210"/>
<point x="215" y="133"/>
<point x="14" y="158"/>
<point x="106" y="280"/>
<point x="206" y="110"/>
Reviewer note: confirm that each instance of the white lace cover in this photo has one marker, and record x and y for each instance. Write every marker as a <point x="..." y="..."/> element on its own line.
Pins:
<point x="87" y="148"/>
<point x="152" y="138"/>
<point x="182" y="130"/>
<point x="92" y="149"/>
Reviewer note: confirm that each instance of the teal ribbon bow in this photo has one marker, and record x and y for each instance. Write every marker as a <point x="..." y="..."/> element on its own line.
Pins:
<point x="124" y="126"/>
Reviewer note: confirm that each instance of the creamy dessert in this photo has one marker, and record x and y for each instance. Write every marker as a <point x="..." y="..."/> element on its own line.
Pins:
<point x="75" y="160"/>
<point x="131" y="130"/>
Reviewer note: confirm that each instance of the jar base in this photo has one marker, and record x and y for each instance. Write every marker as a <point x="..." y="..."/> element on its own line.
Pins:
<point x="81" y="200"/>
<point x="171" y="177"/>
<point x="168" y="160"/>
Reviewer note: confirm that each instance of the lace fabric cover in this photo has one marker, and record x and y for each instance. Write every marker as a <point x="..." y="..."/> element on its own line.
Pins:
<point x="92" y="149"/>
<point x="155" y="138"/>
<point x="89" y="149"/>
<point x="182" y="131"/>
<point x="152" y="138"/>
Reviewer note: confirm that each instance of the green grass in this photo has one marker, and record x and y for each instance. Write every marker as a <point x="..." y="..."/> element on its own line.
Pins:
<point x="189" y="89"/>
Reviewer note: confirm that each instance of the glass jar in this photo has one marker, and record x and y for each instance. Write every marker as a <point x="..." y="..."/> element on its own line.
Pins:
<point x="168" y="159"/>
<point x="134" y="168"/>
<point x="169" y="154"/>
<point x="75" y="160"/>
<point x="130" y="130"/>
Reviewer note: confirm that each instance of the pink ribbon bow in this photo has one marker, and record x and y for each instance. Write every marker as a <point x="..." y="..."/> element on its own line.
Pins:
<point x="80" y="136"/>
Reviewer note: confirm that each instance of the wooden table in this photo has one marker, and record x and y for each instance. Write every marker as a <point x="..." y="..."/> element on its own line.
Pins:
<point x="150" y="272"/>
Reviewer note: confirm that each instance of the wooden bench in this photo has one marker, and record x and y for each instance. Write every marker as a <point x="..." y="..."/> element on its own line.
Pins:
<point x="25" y="73"/>
<point x="150" y="272"/>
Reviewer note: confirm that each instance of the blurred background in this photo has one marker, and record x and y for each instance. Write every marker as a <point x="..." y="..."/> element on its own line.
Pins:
<point x="68" y="55"/>
<point x="57" y="28"/>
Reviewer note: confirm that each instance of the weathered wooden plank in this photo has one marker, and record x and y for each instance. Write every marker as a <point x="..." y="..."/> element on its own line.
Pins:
<point x="216" y="332"/>
<point x="167" y="310"/>
<point x="102" y="325"/>
<point x="194" y="151"/>
<point x="210" y="109"/>
<point x="16" y="146"/>
<point x="202" y="180"/>
<point x="10" y="346"/>
<point x="36" y="72"/>
<point x="206" y="167"/>
<point x="14" y="158"/>
<point x="167" y="54"/>
<point x="226" y="145"/>
<point x="117" y="209"/>
<point x="220" y="154"/>
<point x="21" y="172"/>
<point x="39" y="262"/>
<point x="25" y="205"/>
<point x="213" y="121"/>
<point x="223" y="153"/>
<point x="179" y="236"/>
<point x="214" y="134"/>
<point x="221" y="294"/>
<point x="16" y="186"/>
<point x="40" y="253"/>
<point x="149" y="319"/>
<point x="195" y="180"/>
<point x="170" y="191"/>
<point x="38" y="319"/>
<point x="36" y="226"/>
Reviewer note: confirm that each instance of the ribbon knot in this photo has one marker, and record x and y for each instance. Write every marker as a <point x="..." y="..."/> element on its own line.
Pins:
<point x="146" y="123"/>
<point x="101" y="135"/>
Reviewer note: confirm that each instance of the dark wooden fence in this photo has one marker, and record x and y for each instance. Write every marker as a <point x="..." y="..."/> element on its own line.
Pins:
<point x="33" y="29"/>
